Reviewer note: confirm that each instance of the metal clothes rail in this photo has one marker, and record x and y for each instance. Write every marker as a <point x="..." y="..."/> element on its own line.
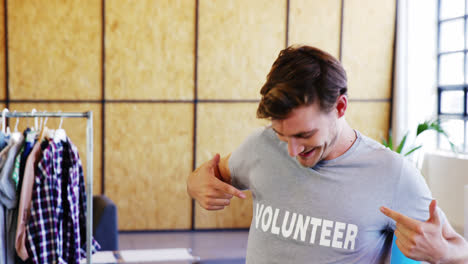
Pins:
<point x="89" y="162"/>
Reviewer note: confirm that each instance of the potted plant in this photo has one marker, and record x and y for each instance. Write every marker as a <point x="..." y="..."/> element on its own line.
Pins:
<point x="422" y="127"/>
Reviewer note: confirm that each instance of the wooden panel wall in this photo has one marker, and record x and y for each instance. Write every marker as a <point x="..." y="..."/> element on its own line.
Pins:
<point x="150" y="156"/>
<point x="238" y="42"/>
<point x="149" y="49"/>
<point x="316" y="23"/>
<point x="172" y="82"/>
<point x="367" y="56"/>
<point x="368" y="30"/>
<point x="149" y="56"/>
<point x="54" y="49"/>
<point x="370" y="118"/>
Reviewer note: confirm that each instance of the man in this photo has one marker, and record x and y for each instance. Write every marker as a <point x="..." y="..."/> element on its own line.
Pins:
<point x="318" y="184"/>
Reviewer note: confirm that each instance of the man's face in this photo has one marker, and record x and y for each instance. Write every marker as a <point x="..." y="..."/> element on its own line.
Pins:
<point x="309" y="132"/>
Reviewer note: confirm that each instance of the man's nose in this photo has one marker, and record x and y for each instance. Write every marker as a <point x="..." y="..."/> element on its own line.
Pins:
<point x="294" y="147"/>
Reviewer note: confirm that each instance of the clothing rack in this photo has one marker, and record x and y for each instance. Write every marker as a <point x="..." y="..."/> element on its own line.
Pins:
<point x="89" y="162"/>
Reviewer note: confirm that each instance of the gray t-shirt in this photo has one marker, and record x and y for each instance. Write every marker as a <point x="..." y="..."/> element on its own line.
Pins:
<point x="328" y="213"/>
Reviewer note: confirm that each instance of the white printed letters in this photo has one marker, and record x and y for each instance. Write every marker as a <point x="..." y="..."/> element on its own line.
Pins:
<point x="329" y="233"/>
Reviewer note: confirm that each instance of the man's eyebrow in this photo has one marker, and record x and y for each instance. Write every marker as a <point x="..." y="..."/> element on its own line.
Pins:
<point x="300" y="134"/>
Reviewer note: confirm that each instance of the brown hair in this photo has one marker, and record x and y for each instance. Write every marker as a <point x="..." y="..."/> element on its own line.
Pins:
<point x="301" y="75"/>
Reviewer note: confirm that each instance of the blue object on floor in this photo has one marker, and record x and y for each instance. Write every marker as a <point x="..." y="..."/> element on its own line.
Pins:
<point x="398" y="257"/>
<point x="105" y="226"/>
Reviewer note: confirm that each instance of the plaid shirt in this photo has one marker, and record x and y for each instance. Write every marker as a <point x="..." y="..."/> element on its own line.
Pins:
<point x="76" y="226"/>
<point x="57" y="219"/>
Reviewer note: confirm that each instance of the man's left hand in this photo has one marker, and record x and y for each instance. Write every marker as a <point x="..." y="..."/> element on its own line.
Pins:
<point x="420" y="240"/>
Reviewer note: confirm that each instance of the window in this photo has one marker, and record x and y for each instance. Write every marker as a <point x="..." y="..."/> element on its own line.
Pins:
<point x="452" y="68"/>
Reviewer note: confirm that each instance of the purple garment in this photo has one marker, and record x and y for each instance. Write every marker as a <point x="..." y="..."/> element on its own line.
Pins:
<point x="28" y="146"/>
<point x="55" y="226"/>
<point x="76" y="226"/>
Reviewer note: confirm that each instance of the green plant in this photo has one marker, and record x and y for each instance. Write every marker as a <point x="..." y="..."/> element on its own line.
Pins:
<point x="422" y="127"/>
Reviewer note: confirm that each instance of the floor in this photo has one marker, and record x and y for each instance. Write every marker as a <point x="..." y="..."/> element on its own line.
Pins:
<point x="213" y="247"/>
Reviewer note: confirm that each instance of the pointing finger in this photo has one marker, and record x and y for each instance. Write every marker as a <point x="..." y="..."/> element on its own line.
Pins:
<point x="221" y="195"/>
<point x="400" y="218"/>
<point x="229" y="189"/>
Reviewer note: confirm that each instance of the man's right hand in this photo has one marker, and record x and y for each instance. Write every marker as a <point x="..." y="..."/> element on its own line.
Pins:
<point x="205" y="185"/>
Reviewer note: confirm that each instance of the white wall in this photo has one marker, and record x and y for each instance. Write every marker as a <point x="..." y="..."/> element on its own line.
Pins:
<point x="447" y="174"/>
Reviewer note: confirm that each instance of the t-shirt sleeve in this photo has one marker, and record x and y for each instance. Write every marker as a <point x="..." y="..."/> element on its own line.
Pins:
<point x="242" y="161"/>
<point x="412" y="195"/>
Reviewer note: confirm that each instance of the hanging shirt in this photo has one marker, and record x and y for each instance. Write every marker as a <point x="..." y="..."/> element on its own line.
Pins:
<point x="24" y="206"/>
<point x="8" y="201"/>
<point x="7" y="185"/>
<point x="3" y="140"/>
<point x="3" y="154"/>
<point x="16" y="167"/>
<point x="3" y="144"/>
<point x="51" y="234"/>
<point x="74" y="205"/>
<point x="29" y="140"/>
<point x="43" y="231"/>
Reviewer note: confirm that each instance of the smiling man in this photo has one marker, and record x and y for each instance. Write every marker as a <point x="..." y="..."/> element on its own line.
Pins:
<point x="322" y="191"/>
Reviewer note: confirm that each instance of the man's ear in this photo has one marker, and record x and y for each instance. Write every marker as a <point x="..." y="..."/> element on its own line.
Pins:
<point x="341" y="105"/>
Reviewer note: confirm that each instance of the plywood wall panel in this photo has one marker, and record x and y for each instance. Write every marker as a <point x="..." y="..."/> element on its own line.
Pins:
<point x="237" y="44"/>
<point x="150" y="49"/>
<point x="370" y="118"/>
<point x="54" y="49"/>
<point x="221" y="128"/>
<point x="368" y="34"/>
<point x="75" y="128"/>
<point x="148" y="158"/>
<point x="316" y="23"/>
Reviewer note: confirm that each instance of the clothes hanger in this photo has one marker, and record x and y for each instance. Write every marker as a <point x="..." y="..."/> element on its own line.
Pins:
<point x="35" y="120"/>
<point x="16" y="135"/>
<point x="44" y="130"/>
<point x="61" y="121"/>
<point x="60" y="134"/>
<point x="48" y="133"/>
<point x="41" y="121"/>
